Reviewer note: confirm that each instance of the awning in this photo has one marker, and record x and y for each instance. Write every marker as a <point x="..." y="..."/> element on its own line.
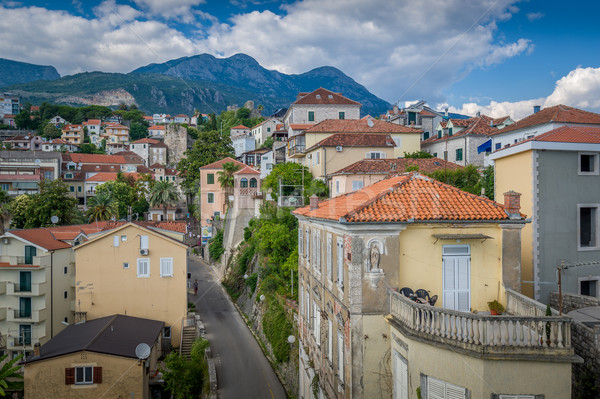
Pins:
<point x="482" y="237"/>
<point x="485" y="147"/>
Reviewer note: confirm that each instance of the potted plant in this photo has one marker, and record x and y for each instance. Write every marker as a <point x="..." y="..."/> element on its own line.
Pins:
<point x="496" y="307"/>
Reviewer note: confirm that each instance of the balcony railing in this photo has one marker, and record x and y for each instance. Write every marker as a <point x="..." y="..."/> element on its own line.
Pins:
<point x="34" y="316"/>
<point x="296" y="150"/>
<point x="34" y="289"/>
<point x="290" y="201"/>
<point x="490" y="335"/>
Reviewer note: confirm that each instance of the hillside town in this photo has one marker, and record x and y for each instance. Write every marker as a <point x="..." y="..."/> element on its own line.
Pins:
<point x="418" y="253"/>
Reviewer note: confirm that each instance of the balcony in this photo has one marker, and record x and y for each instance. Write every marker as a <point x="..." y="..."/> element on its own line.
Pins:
<point x="2" y="314"/>
<point x="510" y="336"/>
<point x="18" y="261"/>
<point x="35" y="316"/>
<point x="296" y="151"/>
<point x="35" y="289"/>
<point x="293" y="201"/>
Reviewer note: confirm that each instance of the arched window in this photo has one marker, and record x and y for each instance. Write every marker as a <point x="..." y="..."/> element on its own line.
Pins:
<point x="244" y="183"/>
<point x="253" y="183"/>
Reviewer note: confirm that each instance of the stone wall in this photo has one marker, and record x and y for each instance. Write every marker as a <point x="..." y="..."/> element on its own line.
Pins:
<point x="586" y="341"/>
<point x="176" y="138"/>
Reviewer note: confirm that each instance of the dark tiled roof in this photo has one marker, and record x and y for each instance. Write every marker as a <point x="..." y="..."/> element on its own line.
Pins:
<point x="116" y="335"/>
<point x="357" y="140"/>
<point x="397" y="165"/>
<point x="324" y="96"/>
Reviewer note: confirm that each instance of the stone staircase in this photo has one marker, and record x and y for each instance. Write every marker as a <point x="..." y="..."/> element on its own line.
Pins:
<point x="187" y="340"/>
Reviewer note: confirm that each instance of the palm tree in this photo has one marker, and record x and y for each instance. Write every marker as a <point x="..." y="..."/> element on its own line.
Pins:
<point x="102" y="207"/>
<point x="226" y="178"/>
<point x="164" y="193"/>
<point x="9" y="375"/>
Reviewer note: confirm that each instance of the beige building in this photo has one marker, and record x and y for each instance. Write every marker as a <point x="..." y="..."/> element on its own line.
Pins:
<point x="365" y="172"/>
<point x="264" y="130"/>
<point x="319" y="105"/>
<point x="135" y="271"/>
<point x="97" y="359"/>
<point x="73" y="134"/>
<point x="455" y="250"/>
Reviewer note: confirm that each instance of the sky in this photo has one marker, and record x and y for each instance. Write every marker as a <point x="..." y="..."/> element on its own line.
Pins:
<point x="499" y="57"/>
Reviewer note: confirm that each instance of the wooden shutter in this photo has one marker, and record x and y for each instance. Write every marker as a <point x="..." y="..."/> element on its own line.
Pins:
<point x="449" y="288"/>
<point x="115" y="241"/>
<point x="400" y="377"/>
<point x="70" y="376"/>
<point x="144" y="242"/>
<point x="329" y="257"/>
<point x="97" y="372"/>
<point x="329" y="340"/>
<point x="436" y="389"/>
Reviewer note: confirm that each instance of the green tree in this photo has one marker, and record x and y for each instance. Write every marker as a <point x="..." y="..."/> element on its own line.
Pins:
<point x="10" y="377"/>
<point x="210" y="147"/>
<point x="23" y="119"/>
<point x="225" y="178"/>
<point x="187" y="378"/>
<point x="19" y="211"/>
<point x="89" y="148"/>
<point x="268" y="143"/>
<point x="122" y="192"/>
<point x="138" y="131"/>
<point x="51" y="132"/>
<point x="291" y="175"/>
<point x="5" y="205"/>
<point x="52" y="200"/>
<point x="466" y="179"/>
<point x="418" y="154"/>
<point x="243" y="113"/>
<point x="102" y="207"/>
<point x="163" y="194"/>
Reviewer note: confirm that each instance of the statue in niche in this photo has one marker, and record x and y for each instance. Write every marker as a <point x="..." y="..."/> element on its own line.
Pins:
<point x="374" y="257"/>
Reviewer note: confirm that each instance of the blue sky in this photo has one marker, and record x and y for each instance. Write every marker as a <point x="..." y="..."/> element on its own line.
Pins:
<point x="495" y="56"/>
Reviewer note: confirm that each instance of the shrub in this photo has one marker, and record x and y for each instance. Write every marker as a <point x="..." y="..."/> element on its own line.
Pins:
<point x="277" y="329"/>
<point x="215" y="246"/>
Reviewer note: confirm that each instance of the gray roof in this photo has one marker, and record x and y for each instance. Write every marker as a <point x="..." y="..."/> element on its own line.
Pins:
<point x="116" y="335"/>
<point x="4" y="155"/>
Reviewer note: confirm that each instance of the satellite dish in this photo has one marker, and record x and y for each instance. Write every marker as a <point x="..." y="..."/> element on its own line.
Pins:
<point x="291" y="339"/>
<point x="370" y="123"/>
<point x="37" y="161"/>
<point x="142" y="351"/>
<point x="54" y="219"/>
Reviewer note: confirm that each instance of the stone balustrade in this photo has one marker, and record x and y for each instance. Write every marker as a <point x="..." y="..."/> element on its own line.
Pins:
<point x="489" y="335"/>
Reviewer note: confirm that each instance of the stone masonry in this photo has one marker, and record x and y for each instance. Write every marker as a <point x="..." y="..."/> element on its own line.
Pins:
<point x="176" y="138"/>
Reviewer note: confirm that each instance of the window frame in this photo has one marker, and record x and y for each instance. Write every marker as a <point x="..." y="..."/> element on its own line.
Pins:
<point x="595" y="170"/>
<point x="83" y="368"/>
<point x="341" y="115"/>
<point x="210" y="198"/>
<point x="210" y="178"/>
<point x="459" y="154"/>
<point x="311" y="116"/>
<point x="596" y="226"/>
<point x="139" y="261"/>
<point x="589" y="278"/>
<point x="169" y="264"/>
<point x="340" y="262"/>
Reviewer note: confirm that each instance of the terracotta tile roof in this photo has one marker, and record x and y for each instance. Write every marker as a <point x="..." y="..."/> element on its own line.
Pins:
<point x="41" y="237"/>
<point x="156" y="166"/>
<point x="59" y="141"/>
<point x="5" y="264"/>
<point x="300" y="126"/>
<point x="406" y="198"/>
<point x="241" y="127"/>
<point x="146" y="141"/>
<point x="93" y="121"/>
<point x="558" y="114"/>
<point x="247" y="171"/>
<point x="181" y="116"/>
<point x="426" y="113"/>
<point x="34" y="108"/>
<point x="444" y="123"/>
<point x="98" y="168"/>
<point x="219" y="164"/>
<point x="396" y="166"/>
<point x="110" y="176"/>
<point x="171" y="172"/>
<point x="324" y="96"/>
<point x="121" y="158"/>
<point x="480" y="125"/>
<point x="358" y="126"/>
<point x="179" y="227"/>
<point x="160" y="144"/>
<point x="566" y="134"/>
<point x="499" y="121"/>
<point x="157" y="127"/>
<point x="356" y="140"/>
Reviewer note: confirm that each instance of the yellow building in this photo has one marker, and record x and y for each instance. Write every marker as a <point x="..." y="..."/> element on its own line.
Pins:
<point x="112" y="357"/>
<point x="135" y="271"/>
<point x="73" y="134"/>
<point x="455" y="250"/>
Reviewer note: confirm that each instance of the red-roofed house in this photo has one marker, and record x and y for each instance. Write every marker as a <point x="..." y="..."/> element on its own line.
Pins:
<point x="26" y="143"/>
<point x="239" y="131"/>
<point x="456" y="251"/>
<point x="156" y="132"/>
<point x="59" y="145"/>
<point x="152" y="151"/>
<point x="181" y="118"/>
<point x="73" y="134"/>
<point x="418" y="116"/>
<point x="319" y="105"/>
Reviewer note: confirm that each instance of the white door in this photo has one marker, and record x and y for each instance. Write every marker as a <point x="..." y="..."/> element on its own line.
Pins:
<point x="400" y="377"/>
<point x="456" y="261"/>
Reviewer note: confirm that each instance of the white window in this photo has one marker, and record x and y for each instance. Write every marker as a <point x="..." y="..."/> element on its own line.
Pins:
<point x="456" y="274"/>
<point x="375" y="155"/>
<point x="144" y="242"/>
<point x="400" y="373"/>
<point x="84" y="375"/>
<point x="301" y="300"/>
<point x="340" y="262"/>
<point x="337" y="186"/>
<point x="318" y="157"/>
<point x="329" y="257"/>
<point x="318" y="249"/>
<point x="340" y="355"/>
<point x="313" y="256"/>
<point x="143" y="267"/>
<point x="307" y="244"/>
<point x="307" y="306"/>
<point x="329" y="340"/>
<point x="589" y="286"/>
<point x="588" y="163"/>
<point x="357" y="185"/>
<point x="115" y="241"/>
<point x="587" y="226"/>
<point x="438" y="389"/>
<point x="300" y="241"/>
<point x="317" y="318"/>
<point x="166" y="267"/>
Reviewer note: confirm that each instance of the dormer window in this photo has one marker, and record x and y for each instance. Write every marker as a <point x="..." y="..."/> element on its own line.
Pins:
<point x="330" y="97"/>
<point x="318" y="96"/>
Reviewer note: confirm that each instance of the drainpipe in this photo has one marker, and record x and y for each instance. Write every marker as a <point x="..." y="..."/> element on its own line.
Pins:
<point x="51" y="294"/>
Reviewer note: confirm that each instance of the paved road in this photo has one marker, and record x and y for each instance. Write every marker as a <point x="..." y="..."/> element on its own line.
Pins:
<point x="242" y="369"/>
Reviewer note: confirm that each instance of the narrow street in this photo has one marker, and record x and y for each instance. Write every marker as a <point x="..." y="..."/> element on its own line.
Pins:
<point x="242" y="369"/>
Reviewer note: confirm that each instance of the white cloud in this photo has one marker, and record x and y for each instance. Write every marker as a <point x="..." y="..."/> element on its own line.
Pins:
<point x="398" y="51"/>
<point x="580" y="89"/>
<point x="532" y="16"/>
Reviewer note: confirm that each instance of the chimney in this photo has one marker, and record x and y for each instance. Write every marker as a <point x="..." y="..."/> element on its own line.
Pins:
<point x="314" y="202"/>
<point x="478" y="114"/>
<point x="446" y="112"/>
<point x="37" y="350"/>
<point x="512" y="204"/>
<point x="80" y="317"/>
<point x="536" y="109"/>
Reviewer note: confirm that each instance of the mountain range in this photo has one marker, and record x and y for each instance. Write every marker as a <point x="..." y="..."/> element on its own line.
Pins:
<point x="201" y="82"/>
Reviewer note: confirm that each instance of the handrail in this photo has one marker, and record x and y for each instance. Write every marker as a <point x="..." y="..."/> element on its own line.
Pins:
<point x="462" y="328"/>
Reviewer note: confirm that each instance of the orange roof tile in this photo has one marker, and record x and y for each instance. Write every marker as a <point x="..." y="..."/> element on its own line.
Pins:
<point x="111" y="176"/>
<point x="397" y="165"/>
<point x="41" y="237"/>
<point x="300" y="126"/>
<point x="157" y="127"/>
<point x="146" y="140"/>
<point x="406" y="198"/>
<point x="479" y="125"/>
<point x="358" y="126"/>
<point x="219" y="164"/>
<point x="558" y="113"/>
<point x="241" y="127"/>
<point x="324" y="96"/>
<point x="247" y="171"/>
<point x="6" y="264"/>
<point x="357" y="140"/>
<point x="102" y="158"/>
<point x="565" y="134"/>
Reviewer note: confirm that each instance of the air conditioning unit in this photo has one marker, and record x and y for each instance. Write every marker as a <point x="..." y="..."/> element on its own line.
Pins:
<point x="338" y="148"/>
<point x="143" y="252"/>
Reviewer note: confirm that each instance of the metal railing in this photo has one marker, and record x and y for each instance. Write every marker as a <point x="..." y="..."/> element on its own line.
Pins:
<point x="477" y="331"/>
<point x="297" y="149"/>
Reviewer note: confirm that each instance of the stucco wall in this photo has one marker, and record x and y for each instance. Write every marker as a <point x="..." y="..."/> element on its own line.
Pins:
<point x="299" y="113"/>
<point x="345" y="184"/>
<point x="331" y="160"/>
<point x="118" y="290"/>
<point x="121" y="377"/>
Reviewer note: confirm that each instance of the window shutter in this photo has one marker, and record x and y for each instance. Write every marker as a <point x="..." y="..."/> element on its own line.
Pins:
<point x="340" y="357"/>
<point x="300" y="241"/>
<point x="449" y="289"/>
<point x="97" y="375"/>
<point x="166" y="267"/>
<point x="144" y="242"/>
<point x="454" y="392"/>
<point x="70" y="376"/>
<point x="115" y="241"/>
<point x="329" y="254"/>
<point x="329" y="340"/>
<point x="436" y="389"/>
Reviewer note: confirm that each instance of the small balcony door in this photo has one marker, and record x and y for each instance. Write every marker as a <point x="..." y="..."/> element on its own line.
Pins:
<point x="24" y="307"/>
<point x="24" y="334"/>
<point x="456" y="261"/>
<point x="30" y="252"/>
<point x="24" y="281"/>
